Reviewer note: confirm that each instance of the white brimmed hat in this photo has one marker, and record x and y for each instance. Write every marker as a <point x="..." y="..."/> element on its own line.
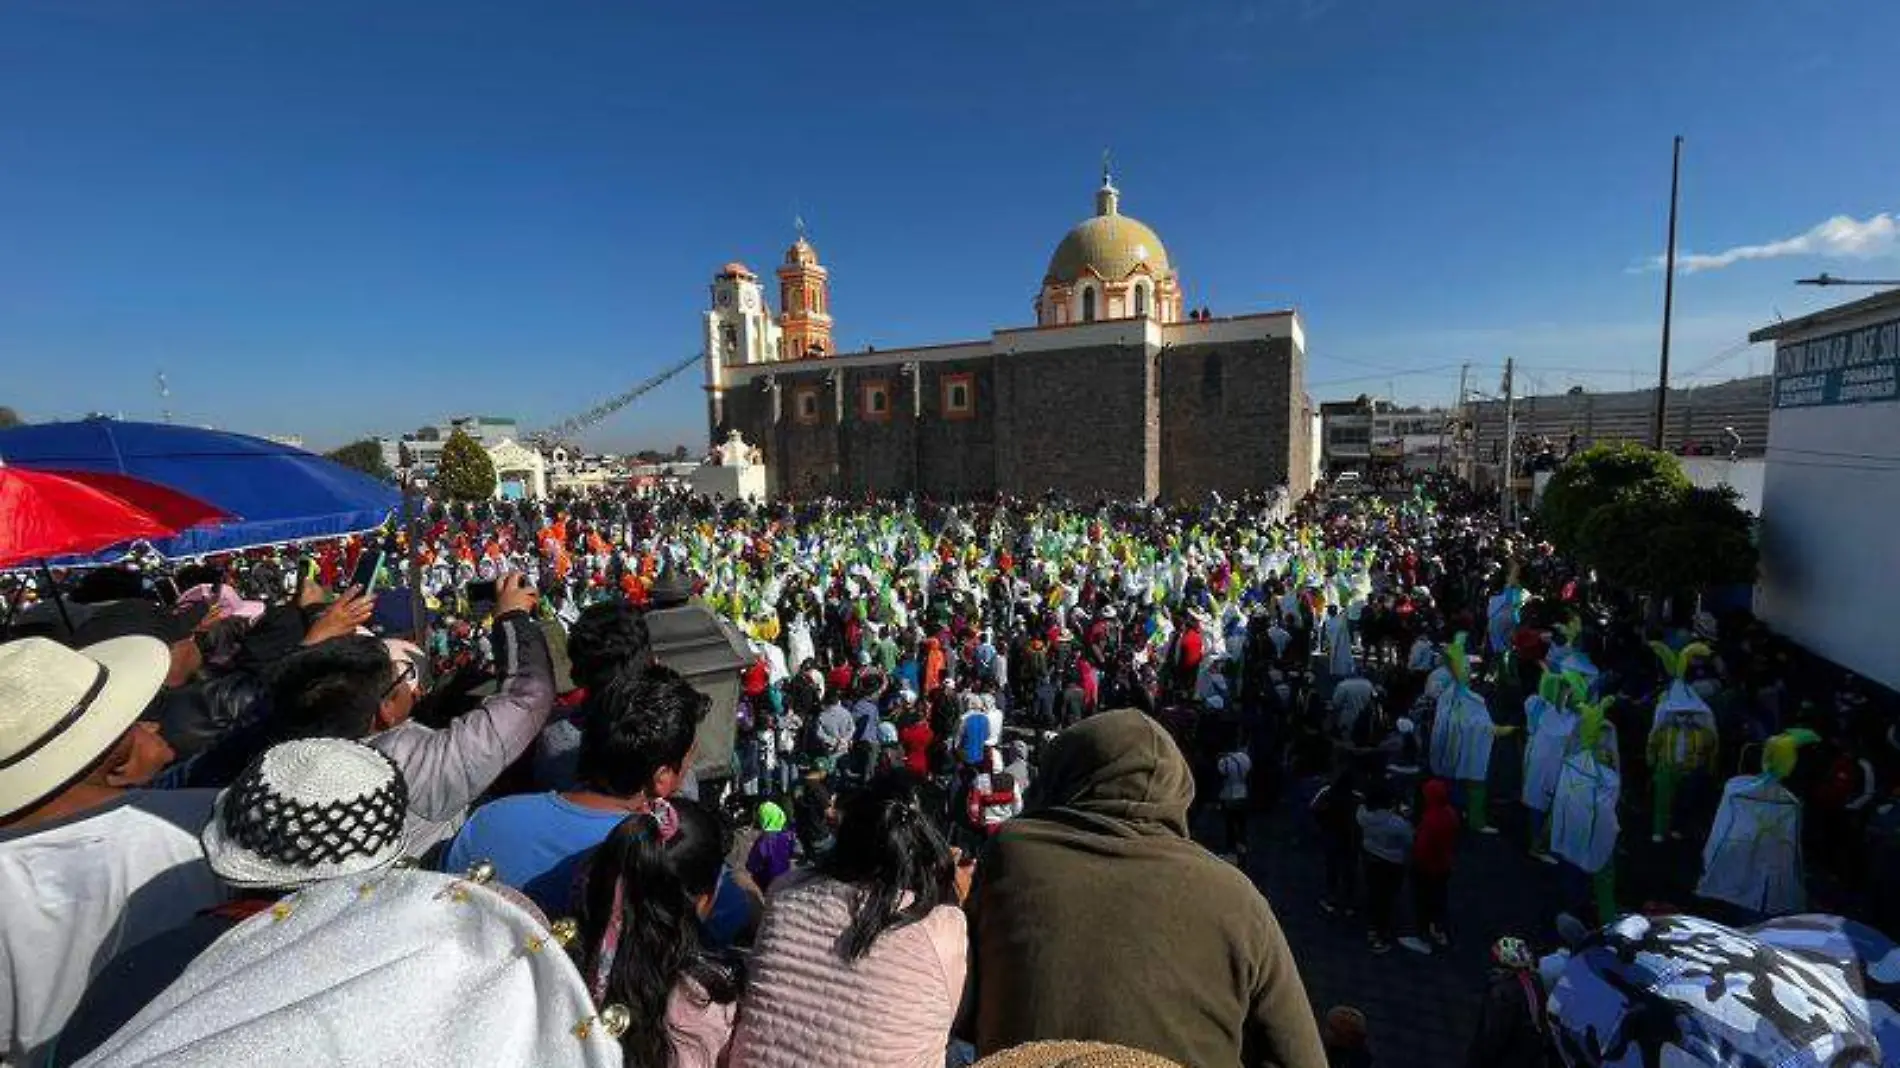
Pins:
<point x="307" y="811"/>
<point x="62" y="709"/>
<point x="404" y="967"/>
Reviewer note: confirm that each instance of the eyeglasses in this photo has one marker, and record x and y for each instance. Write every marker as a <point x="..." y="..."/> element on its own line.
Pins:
<point x="406" y="673"/>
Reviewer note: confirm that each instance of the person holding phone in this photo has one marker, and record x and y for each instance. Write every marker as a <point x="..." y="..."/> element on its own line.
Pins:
<point x="358" y="687"/>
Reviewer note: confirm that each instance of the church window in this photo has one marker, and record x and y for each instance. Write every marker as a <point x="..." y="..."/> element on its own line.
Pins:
<point x="874" y="401"/>
<point x="805" y="405"/>
<point x="1141" y="302"/>
<point x="729" y="337"/>
<point x="959" y="396"/>
<point x="1088" y="305"/>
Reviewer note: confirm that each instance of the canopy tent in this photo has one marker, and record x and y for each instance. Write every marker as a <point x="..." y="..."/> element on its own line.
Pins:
<point x="284" y="494"/>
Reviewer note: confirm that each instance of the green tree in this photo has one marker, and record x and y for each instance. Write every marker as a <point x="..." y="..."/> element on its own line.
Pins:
<point x="465" y="472"/>
<point x="1600" y="476"/>
<point x="365" y="456"/>
<point x="1671" y="544"/>
<point x="10" y="418"/>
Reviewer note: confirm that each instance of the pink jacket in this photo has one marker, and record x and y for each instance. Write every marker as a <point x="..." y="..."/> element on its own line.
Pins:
<point x="698" y="1028"/>
<point x="804" y="1005"/>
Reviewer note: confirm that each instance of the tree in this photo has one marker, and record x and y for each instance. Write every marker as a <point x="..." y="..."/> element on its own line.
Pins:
<point x="1600" y="476"/>
<point x="365" y="456"/>
<point x="1672" y="545"/>
<point x="465" y="472"/>
<point x="10" y="418"/>
<point x="679" y="452"/>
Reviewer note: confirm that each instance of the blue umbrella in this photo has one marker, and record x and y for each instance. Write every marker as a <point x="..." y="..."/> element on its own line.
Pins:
<point x="280" y="493"/>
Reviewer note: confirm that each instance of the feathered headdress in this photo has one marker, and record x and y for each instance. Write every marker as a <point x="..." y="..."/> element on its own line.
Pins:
<point x="1779" y="753"/>
<point x="1677" y="664"/>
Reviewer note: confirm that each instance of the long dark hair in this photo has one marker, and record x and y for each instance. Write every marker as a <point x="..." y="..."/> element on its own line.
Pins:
<point x="886" y="848"/>
<point x="647" y="875"/>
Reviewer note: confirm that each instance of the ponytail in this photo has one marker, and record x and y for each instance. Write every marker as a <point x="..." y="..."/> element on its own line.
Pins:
<point x="639" y="919"/>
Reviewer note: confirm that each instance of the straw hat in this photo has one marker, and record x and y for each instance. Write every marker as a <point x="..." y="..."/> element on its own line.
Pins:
<point x="406" y="967"/>
<point x="62" y="709"/>
<point x="1073" y="1055"/>
<point x="306" y="811"/>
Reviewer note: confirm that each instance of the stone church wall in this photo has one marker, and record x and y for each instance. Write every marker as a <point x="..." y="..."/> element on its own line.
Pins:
<point x="1109" y="420"/>
<point x="1229" y="418"/>
<point x="1076" y="420"/>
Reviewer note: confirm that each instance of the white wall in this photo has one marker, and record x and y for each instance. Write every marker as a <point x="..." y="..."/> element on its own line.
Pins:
<point x="1831" y="534"/>
<point x="1707" y="472"/>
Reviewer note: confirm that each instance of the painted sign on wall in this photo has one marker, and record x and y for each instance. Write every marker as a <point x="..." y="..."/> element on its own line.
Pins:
<point x="1852" y="367"/>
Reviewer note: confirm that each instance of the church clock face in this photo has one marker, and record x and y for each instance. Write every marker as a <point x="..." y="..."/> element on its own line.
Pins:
<point x="745" y="301"/>
<point x="725" y="297"/>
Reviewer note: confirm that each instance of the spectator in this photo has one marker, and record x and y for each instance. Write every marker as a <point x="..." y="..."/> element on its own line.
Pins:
<point x="1344" y="1032"/>
<point x="424" y="970"/>
<point x="1386" y="840"/>
<point x="1334" y="810"/>
<point x="304" y="812"/>
<point x="1099" y="878"/>
<point x="1432" y="852"/>
<point x="771" y="853"/>
<point x="88" y="861"/>
<point x="606" y="637"/>
<point x="1511" y="1030"/>
<point x="860" y="962"/>
<point x="358" y="688"/>
<point x="643" y="896"/>
<point x="635" y="744"/>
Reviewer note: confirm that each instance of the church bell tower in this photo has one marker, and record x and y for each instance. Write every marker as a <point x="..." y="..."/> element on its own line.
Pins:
<point x="804" y="303"/>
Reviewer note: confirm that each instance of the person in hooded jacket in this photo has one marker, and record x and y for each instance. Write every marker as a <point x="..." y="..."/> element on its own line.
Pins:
<point x="1099" y="878"/>
<point x="1432" y="850"/>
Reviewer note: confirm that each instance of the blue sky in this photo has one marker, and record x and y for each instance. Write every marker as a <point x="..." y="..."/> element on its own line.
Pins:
<point x="352" y="216"/>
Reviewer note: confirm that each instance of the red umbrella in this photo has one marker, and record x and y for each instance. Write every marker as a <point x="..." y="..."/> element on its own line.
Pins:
<point x="56" y="513"/>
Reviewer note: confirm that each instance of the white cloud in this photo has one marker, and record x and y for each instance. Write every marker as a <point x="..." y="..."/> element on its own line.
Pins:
<point x="1842" y="237"/>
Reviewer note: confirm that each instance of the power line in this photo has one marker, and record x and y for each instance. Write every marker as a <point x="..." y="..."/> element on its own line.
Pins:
<point x="1388" y="374"/>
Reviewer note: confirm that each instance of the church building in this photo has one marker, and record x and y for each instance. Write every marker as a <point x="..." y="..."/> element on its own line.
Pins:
<point x="1118" y="391"/>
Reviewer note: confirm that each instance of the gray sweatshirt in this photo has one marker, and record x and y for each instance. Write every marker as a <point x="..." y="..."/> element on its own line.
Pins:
<point x="448" y="769"/>
<point x="1385" y="834"/>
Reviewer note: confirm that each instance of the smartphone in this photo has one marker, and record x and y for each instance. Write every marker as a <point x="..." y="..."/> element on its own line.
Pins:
<point x="484" y="592"/>
<point x="369" y="571"/>
<point x="306" y="574"/>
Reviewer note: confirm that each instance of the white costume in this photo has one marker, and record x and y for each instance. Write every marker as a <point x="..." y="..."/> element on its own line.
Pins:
<point x="1753" y="856"/>
<point x="1552" y="727"/>
<point x="1461" y="736"/>
<point x="1583" y="825"/>
<point x="1338" y="642"/>
<point x="798" y="643"/>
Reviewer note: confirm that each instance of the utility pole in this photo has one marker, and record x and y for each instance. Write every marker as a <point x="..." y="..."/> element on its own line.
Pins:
<point x="1510" y="443"/>
<point x="164" y="398"/>
<point x="1457" y="412"/>
<point x="1669" y="297"/>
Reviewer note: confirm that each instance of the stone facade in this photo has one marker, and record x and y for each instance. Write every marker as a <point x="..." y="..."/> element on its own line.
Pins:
<point x="1134" y="408"/>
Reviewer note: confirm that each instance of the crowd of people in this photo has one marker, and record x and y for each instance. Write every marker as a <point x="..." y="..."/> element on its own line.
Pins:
<point x="992" y="789"/>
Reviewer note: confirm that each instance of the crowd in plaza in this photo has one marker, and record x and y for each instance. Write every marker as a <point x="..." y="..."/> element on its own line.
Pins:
<point x="996" y="790"/>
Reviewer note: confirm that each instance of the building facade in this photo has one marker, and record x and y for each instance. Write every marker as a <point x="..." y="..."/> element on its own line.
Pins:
<point x="1111" y="394"/>
<point x="1830" y="496"/>
<point x="1368" y="434"/>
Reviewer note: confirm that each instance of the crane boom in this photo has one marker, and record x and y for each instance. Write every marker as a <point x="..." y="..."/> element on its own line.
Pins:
<point x="574" y="425"/>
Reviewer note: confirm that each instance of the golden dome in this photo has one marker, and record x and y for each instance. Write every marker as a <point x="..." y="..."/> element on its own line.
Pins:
<point x="1112" y="244"/>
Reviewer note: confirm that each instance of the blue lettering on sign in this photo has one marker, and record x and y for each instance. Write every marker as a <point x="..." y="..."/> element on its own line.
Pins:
<point x="1852" y="367"/>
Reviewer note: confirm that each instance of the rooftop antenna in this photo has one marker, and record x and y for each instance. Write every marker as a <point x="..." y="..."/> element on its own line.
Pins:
<point x="164" y="397"/>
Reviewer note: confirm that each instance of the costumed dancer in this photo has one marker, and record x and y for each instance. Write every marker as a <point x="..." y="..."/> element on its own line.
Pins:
<point x="1682" y="740"/>
<point x="1583" y="826"/>
<point x="1501" y="617"/>
<point x="1753" y="856"/>
<point x="1551" y="722"/>
<point x="1462" y="733"/>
